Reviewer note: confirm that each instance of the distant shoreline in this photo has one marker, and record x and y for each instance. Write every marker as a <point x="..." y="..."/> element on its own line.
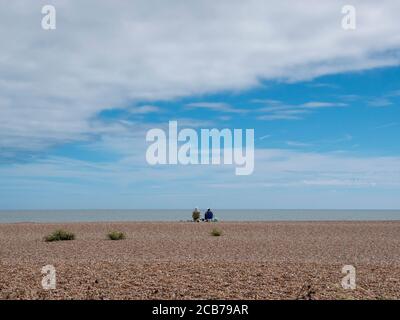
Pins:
<point x="65" y="216"/>
<point x="192" y="222"/>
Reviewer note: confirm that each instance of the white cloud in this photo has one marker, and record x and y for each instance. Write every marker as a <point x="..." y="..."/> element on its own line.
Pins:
<point x="104" y="55"/>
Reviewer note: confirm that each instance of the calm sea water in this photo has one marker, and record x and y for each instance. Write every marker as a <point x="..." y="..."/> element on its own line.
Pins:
<point x="178" y="215"/>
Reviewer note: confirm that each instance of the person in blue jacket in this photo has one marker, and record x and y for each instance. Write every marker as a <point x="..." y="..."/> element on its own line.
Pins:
<point x="208" y="216"/>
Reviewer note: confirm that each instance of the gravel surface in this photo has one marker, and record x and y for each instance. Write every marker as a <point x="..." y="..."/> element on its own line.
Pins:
<point x="164" y="260"/>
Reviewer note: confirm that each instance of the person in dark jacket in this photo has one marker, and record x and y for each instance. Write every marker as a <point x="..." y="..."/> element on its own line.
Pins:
<point x="208" y="216"/>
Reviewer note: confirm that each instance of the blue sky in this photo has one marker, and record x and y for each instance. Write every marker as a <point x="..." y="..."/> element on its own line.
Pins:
<point x="76" y="103"/>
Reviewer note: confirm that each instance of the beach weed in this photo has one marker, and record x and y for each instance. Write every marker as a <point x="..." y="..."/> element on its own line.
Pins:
<point x="59" y="235"/>
<point x="216" y="232"/>
<point x="116" y="235"/>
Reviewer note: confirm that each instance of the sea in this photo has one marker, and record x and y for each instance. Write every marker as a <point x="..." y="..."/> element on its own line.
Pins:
<point x="13" y="216"/>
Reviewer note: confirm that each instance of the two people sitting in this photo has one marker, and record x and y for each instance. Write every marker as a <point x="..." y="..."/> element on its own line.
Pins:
<point x="208" y="216"/>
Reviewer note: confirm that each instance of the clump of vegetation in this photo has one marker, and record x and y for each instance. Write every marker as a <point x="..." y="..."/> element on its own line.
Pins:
<point x="216" y="232"/>
<point x="306" y="292"/>
<point x="59" y="235"/>
<point x="116" y="235"/>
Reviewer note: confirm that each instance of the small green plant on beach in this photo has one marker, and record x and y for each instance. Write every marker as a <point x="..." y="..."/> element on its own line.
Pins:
<point x="216" y="232"/>
<point x="59" y="235"/>
<point x="116" y="235"/>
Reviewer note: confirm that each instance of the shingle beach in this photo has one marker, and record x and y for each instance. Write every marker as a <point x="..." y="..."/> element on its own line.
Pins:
<point x="182" y="260"/>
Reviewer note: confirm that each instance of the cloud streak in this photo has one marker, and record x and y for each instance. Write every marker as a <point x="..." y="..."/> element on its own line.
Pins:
<point x="276" y="110"/>
<point x="215" y="106"/>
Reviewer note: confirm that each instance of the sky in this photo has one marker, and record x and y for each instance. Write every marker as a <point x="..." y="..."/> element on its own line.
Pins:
<point x="76" y="103"/>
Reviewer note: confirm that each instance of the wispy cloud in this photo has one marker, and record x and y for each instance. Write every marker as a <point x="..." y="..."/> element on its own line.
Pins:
<point x="380" y="102"/>
<point x="323" y="85"/>
<point x="267" y="136"/>
<point x="144" y="109"/>
<point x="339" y="183"/>
<point x="387" y="125"/>
<point x="347" y="137"/>
<point x="298" y="144"/>
<point x="395" y="93"/>
<point x="282" y="114"/>
<point x="215" y="106"/>
<point x="276" y="110"/>
<point x="318" y="104"/>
